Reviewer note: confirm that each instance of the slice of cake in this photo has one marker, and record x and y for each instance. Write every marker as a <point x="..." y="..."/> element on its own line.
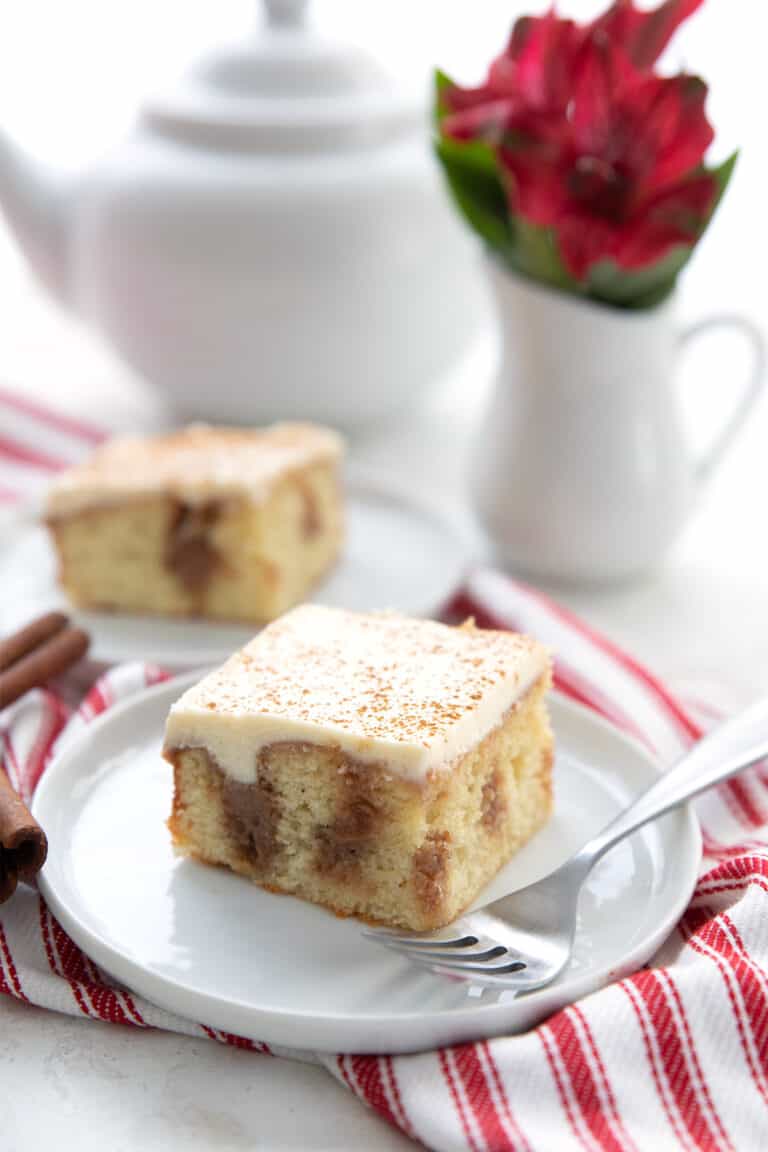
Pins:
<point x="220" y="522"/>
<point x="382" y="766"/>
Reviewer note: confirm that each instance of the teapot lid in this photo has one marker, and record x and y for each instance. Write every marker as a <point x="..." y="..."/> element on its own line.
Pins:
<point x="289" y="88"/>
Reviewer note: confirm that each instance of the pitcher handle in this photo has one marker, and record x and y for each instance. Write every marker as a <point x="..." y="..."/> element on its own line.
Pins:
<point x="754" y="337"/>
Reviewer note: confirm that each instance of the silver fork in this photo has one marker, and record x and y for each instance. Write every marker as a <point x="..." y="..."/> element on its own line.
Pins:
<point x="524" y="941"/>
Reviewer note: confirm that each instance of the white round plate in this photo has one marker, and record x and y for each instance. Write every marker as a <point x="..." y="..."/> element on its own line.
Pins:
<point x="207" y="944"/>
<point x="397" y="555"/>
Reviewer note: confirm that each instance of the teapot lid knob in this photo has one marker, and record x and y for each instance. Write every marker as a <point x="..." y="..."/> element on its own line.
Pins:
<point x="285" y="13"/>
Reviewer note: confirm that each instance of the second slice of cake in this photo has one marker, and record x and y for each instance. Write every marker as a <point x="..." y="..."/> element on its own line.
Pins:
<point x="382" y="766"/>
<point x="232" y="523"/>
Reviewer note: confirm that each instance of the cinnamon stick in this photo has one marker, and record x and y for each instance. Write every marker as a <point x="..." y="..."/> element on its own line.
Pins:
<point x="23" y="844"/>
<point x="28" y="659"/>
<point x="12" y="648"/>
<point x="9" y="877"/>
<point x="42" y="663"/>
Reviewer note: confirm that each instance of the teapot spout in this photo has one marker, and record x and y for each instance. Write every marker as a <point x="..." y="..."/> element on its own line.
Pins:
<point x="34" y="202"/>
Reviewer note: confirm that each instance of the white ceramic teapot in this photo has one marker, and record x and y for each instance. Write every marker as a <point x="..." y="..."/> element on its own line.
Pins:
<point x="271" y="241"/>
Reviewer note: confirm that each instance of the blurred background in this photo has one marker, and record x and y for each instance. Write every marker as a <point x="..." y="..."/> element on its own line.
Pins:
<point x="73" y="75"/>
<point x="71" y="79"/>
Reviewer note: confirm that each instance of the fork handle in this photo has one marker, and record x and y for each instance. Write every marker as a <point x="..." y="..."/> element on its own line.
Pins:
<point x="728" y="749"/>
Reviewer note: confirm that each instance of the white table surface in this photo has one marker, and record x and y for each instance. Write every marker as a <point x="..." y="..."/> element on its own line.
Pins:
<point x="701" y="621"/>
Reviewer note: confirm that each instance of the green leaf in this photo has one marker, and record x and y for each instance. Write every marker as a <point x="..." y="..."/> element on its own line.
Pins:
<point x="476" y="155"/>
<point x="473" y="179"/>
<point x="641" y="288"/>
<point x="722" y="176"/>
<point x="440" y="108"/>
<point x="537" y="256"/>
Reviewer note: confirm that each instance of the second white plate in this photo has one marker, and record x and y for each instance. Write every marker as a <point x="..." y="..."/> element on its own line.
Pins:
<point x="210" y="946"/>
<point x="397" y="556"/>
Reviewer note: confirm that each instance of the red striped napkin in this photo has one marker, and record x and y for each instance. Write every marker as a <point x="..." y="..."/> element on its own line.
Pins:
<point x="673" y="1057"/>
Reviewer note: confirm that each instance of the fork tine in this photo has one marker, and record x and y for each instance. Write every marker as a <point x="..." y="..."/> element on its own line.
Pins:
<point x="506" y="965"/>
<point x="416" y="942"/>
<point x="484" y="948"/>
<point x="489" y="951"/>
<point x="501" y="967"/>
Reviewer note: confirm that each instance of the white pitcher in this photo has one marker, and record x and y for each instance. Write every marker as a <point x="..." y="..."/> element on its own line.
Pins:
<point x="581" y="471"/>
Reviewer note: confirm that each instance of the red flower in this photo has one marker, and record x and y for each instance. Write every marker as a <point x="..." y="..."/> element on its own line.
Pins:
<point x="618" y="176"/>
<point x="532" y="74"/>
<point x="644" y="35"/>
<point x="535" y="68"/>
<point x="592" y="143"/>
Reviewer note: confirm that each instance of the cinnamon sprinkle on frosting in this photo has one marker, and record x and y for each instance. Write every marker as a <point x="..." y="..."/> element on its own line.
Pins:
<point x="193" y="464"/>
<point x="414" y="694"/>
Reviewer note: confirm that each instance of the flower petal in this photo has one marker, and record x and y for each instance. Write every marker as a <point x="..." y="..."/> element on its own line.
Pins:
<point x="644" y="35"/>
<point x="671" y="132"/>
<point x="675" y="216"/>
<point x="456" y="98"/>
<point x="485" y="121"/>
<point x="592" y="90"/>
<point x="537" y="63"/>
<point x="584" y="240"/>
<point x="535" y="183"/>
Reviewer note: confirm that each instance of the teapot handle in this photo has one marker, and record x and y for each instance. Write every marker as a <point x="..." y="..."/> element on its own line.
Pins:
<point x="285" y="13"/>
<point x="755" y="384"/>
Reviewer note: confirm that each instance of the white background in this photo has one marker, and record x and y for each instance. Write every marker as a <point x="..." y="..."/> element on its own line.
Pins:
<point x="71" y="76"/>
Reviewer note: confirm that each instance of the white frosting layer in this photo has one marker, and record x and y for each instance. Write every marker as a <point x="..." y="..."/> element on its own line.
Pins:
<point x="195" y="464"/>
<point x="412" y="695"/>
